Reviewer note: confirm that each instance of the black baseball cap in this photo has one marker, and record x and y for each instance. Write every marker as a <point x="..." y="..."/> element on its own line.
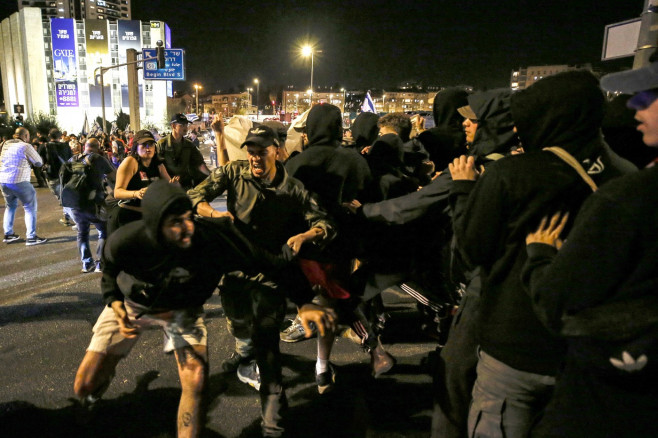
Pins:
<point x="262" y="136"/>
<point x="180" y="119"/>
<point x="143" y="136"/>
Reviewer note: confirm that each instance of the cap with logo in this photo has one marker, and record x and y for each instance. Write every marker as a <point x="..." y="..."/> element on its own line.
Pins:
<point x="143" y="136"/>
<point x="180" y="119"/>
<point x="262" y="136"/>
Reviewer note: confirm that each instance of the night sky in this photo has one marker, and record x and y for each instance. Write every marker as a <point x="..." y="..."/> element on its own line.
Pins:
<point x="378" y="44"/>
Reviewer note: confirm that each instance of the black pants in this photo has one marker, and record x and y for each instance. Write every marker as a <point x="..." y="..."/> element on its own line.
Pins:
<point x="256" y="308"/>
<point x="455" y="374"/>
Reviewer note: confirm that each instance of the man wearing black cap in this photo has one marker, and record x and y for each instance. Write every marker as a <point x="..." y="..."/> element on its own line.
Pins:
<point x="158" y="273"/>
<point x="599" y="292"/>
<point x="180" y="156"/>
<point x="269" y="207"/>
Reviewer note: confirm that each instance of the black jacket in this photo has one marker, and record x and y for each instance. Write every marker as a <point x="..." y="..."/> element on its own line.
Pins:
<point x="512" y="196"/>
<point x="140" y="265"/>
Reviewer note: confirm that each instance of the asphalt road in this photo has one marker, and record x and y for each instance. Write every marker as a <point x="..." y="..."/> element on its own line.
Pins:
<point x="47" y="310"/>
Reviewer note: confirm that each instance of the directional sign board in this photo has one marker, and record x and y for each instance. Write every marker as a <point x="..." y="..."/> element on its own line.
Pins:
<point x="174" y="66"/>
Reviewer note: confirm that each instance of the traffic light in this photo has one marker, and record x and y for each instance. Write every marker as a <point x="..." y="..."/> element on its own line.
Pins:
<point x="160" y="55"/>
<point x="19" y="120"/>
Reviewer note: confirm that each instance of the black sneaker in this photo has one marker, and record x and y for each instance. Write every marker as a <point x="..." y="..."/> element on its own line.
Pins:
<point x="326" y="380"/>
<point x="36" y="240"/>
<point x="66" y="222"/>
<point x="99" y="268"/>
<point x="231" y="364"/>
<point x="11" y="238"/>
<point x="249" y="374"/>
<point x="88" y="267"/>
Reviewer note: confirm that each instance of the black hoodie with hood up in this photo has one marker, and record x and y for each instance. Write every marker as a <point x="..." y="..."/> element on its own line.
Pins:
<point x="446" y="140"/>
<point x="139" y="264"/>
<point x="334" y="173"/>
<point x="510" y="198"/>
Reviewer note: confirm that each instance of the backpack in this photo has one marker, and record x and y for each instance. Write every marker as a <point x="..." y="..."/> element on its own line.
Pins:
<point x="77" y="189"/>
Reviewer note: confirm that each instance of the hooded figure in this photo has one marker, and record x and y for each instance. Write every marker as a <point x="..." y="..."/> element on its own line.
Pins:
<point x="446" y="140"/>
<point x="506" y="203"/>
<point x="365" y="130"/>
<point x="495" y="133"/>
<point x="334" y="173"/>
<point x="142" y="265"/>
<point x="386" y="161"/>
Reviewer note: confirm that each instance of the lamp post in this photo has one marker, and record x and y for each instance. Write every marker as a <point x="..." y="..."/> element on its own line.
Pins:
<point x="306" y="52"/>
<point x="197" y="87"/>
<point x="383" y="103"/>
<point x="249" y="90"/>
<point x="257" y="82"/>
<point x="343" y="90"/>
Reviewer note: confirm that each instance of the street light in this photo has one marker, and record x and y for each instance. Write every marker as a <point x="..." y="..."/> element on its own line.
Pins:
<point x="343" y="90"/>
<point x="249" y="90"/>
<point x="257" y="82"/>
<point x="197" y="87"/>
<point x="306" y="52"/>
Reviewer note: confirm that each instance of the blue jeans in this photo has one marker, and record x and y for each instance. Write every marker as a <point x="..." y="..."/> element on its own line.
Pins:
<point x="23" y="191"/>
<point x="54" y="186"/>
<point x="84" y="219"/>
<point x="506" y="402"/>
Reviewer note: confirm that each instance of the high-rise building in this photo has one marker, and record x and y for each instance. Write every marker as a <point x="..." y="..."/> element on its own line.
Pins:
<point x="81" y="9"/>
<point x="51" y="66"/>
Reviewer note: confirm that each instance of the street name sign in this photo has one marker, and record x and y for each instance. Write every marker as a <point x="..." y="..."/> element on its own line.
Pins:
<point x="174" y="69"/>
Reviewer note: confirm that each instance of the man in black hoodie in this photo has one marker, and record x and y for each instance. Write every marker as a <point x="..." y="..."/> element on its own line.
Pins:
<point x="599" y="293"/>
<point x="158" y="272"/>
<point x="518" y="357"/>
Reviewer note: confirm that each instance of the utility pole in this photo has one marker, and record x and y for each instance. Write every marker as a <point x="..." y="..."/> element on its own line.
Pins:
<point x="648" y="40"/>
<point x="133" y="90"/>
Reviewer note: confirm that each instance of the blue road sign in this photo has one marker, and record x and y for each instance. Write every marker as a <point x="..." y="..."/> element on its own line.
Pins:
<point x="174" y="66"/>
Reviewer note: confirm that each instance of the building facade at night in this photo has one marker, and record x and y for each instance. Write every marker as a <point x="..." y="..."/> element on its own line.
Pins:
<point x="50" y="65"/>
<point x="525" y="77"/>
<point x="81" y="9"/>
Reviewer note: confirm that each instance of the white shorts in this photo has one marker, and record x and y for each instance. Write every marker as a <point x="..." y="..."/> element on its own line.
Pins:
<point x="183" y="327"/>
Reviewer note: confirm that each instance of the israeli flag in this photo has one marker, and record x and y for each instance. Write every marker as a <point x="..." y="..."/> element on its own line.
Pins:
<point x="368" y="105"/>
<point x="95" y="129"/>
<point x="115" y="129"/>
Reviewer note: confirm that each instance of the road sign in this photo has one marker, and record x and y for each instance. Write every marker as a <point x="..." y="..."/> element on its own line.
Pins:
<point x="174" y="66"/>
<point x="620" y="39"/>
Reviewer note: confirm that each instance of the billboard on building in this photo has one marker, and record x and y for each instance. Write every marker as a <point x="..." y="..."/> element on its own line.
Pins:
<point x="98" y="54"/>
<point x="129" y="36"/>
<point x="65" y="64"/>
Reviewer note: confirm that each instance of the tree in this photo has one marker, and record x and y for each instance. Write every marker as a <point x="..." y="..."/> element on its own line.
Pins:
<point x="122" y="121"/>
<point x="39" y="124"/>
<point x="108" y="125"/>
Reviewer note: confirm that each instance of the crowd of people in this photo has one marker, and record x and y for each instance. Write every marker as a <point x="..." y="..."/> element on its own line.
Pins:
<point x="520" y="222"/>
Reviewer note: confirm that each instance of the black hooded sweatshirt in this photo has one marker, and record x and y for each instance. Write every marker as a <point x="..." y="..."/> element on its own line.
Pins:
<point x="512" y="196"/>
<point x="140" y="265"/>
<point x="334" y="173"/>
<point x="446" y="140"/>
<point x="365" y="130"/>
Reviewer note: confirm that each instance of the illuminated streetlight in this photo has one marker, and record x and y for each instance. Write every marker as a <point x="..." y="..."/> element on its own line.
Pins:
<point x="257" y="82"/>
<point x="343" y="90"/>
<point x="197" y="87"/>
<point x="306" y="52"/>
